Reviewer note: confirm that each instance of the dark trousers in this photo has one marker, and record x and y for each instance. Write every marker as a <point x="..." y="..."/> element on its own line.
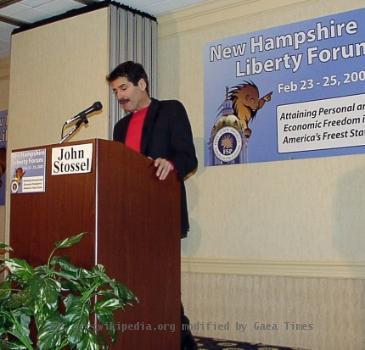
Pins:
<point x="187" y="339"/>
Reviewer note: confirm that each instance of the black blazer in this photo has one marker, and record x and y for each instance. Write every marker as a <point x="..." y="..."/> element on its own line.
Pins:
<point x="166" y="134"/>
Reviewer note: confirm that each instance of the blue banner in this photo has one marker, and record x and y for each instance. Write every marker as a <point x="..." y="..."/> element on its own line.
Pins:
<point x="3" y="139"/>
<point x="291" y="92"/>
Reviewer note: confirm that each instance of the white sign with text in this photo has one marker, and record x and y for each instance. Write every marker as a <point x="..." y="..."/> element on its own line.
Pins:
<point x="322" y="124"/>
<point x="74" y="159"/>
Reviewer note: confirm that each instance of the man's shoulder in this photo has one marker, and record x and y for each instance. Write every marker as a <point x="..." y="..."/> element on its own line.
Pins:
<point x="123" y="120"/>
<point x="120" y="128"/>
<point x="168" y="104"/>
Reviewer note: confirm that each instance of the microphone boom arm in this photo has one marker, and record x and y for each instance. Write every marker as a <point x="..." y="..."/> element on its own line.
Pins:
<point x="80" y="118"/>
<point x="83" y="119"/>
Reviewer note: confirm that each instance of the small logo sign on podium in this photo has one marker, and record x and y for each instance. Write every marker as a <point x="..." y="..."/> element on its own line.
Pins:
<point x="28" y="171"/>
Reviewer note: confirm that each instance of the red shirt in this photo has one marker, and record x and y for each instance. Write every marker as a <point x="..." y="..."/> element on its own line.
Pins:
<point x="135" y="127"/>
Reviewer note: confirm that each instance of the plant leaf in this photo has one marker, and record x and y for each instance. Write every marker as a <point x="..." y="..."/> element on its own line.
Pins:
<point x="70" y="241"/>
<point x="77" y="318"/>
<point x="107" y="305"/>
<point x="104" y="312"/>
<point x="5" y="246"/>
<point x="67" y="273"/>
<point x="45" y="293"/>
<point x="64" y="264"/>
<point x="88" y="341"/>
<point x="20" y="329"/>
<point x="46" y="290"/>
<point x="11" y="345"/>
<point x="20" y="270"/>
<point x="21" y="301"/>
<point x="5" y="291"/>
<point x="124" y="294"/>
<point x="107" y="320"/>
<point x="52" y="334"/>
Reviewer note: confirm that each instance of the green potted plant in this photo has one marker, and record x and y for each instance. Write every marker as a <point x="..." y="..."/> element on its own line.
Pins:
<point x="59" y="302"/>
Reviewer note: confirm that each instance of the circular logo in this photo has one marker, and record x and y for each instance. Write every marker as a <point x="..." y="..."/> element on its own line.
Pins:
<point x="227" y="144"/>
<point x="14" y="186"/>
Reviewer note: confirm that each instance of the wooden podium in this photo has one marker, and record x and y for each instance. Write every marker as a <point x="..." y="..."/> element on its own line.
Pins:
<point x="134" y="219"/>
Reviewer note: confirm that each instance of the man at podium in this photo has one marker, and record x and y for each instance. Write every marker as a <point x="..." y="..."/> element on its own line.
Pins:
<point x="160" y="130"/>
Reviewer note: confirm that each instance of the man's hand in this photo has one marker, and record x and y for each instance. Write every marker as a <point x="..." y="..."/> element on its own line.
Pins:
<point x="164" y="167"/>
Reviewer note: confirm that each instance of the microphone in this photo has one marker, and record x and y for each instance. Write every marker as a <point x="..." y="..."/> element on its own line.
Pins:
<point x="97" y="106"/>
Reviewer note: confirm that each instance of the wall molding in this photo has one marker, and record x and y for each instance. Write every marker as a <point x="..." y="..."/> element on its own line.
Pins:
<point x="284" y="268"/>
<point x="215" y="11"/>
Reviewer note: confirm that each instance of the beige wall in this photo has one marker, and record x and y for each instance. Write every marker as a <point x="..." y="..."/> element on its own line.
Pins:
<point x="4" y="103"/>
<point x="309" y="313"/>
<point x="299" y="219"/>
<point x="296" y="214"/>
<point x="58" y="70"/>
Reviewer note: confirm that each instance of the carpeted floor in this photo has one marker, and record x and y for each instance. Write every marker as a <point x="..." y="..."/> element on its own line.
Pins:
<point x="218" y="344"/>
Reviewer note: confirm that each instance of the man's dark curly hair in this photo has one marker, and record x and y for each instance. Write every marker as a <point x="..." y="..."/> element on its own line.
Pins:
<point x="133" y="71"/>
